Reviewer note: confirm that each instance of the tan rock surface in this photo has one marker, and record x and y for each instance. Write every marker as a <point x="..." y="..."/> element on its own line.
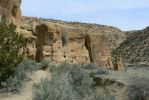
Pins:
<point x="26" y="92"/>
<point x="58" y="43"/>
<point x="11" y="10"/>
<point x="98" y="50"/>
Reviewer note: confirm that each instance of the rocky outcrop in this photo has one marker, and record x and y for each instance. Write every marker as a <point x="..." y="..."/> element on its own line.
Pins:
<point x="58" y="43"/>
<point x="113" y="35"/>
<point x="118" y="63"/>
<point x="98" y="50"/>
<point x="29" y="50"/>
<point x="11" y="10"/>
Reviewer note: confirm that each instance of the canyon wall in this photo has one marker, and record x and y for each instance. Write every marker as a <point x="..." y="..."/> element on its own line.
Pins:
<point x="11" y="10"/>
<point x="57" y="42"/>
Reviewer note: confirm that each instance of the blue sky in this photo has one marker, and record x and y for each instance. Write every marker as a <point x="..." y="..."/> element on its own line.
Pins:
<point x="124" y="14"/>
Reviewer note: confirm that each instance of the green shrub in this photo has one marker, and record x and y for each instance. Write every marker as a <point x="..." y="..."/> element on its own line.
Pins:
<point x="17" y="80"/>
<point x="68" y="82"/>
<point x="44" y="64"/>
<point x="10" y="42"/>
<point x="91" y="66"/>
<point x="102" y="94"/>
<point x="95" y="70"/>
<point x="52" y="68"/>
<point x="58" y="88"/>
<point x="139" y="88"/>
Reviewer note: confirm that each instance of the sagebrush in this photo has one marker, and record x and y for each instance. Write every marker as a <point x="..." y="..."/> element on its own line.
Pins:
<point x="138" y="88"/>
<point x="68" y="82"/>
<point x="21" y="75"/>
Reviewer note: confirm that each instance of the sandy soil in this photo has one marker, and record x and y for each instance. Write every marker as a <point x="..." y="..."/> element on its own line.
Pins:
<point x="26" y="92"/>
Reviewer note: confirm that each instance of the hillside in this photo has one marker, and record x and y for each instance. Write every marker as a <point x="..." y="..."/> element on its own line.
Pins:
<point x="136" y="47"/>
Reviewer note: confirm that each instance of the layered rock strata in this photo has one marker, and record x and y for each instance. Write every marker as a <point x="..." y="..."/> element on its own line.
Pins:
<point x="59" y="41"/>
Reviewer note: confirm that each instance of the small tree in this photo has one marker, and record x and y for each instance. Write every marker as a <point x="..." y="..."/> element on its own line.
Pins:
<point x="10" y="42"/>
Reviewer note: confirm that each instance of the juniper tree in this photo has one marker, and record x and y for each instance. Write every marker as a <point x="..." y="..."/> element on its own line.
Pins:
<point x="10" y="42"/>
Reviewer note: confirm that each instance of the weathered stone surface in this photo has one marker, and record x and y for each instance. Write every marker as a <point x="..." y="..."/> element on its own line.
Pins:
<point x="98" y="50"/>
<point x="118" y="63"/>
<point x="11" y="10"/>
<point x="30" y="48"/>
<point x="58" y="43"/>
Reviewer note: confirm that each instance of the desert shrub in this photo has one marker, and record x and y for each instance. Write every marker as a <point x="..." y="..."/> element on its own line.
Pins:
<point x="138" y="89"/>
<point x="10" y="42"/>
<point x="68" y="82"/>
<point x="58" y="88"/>
<point x="96" y="70"/>
<point x="99" y="72"/>
<point x="52" y="68"/>
<point x="21" y="75"/>
<point x="91" y="66"/>
<point x="44" y="64"/>
<point x="102" y="93"/>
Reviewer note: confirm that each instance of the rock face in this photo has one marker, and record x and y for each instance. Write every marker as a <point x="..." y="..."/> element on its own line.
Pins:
<point x="113" y="35"/>
<point x="118" y="63"/>
<point x="98" y="50"/>
<point x="11" y="10"/>
<point x="58" y="43"/>
<point x="63" y="41"/>
<point x="29" y="50"/>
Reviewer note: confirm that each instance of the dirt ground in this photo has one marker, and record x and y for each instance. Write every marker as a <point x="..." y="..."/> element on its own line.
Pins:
<point x="26" y="92"/>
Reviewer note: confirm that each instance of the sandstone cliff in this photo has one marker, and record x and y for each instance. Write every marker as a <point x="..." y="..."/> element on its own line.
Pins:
<point x="63" y="41"/>
<point x="59" y="41"/>
<point x="113" y="35"/>
<point x="11" y="10"/>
